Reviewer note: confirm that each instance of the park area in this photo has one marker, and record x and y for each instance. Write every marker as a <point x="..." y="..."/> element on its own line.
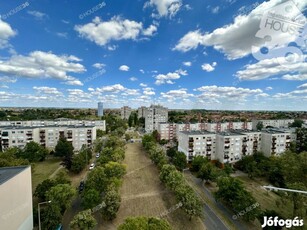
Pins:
<point x="143" y="194"/>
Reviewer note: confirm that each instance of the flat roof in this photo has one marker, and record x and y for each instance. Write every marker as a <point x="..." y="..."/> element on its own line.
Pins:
<point x="230" y="133"/>
<point x="274" y="131"/>
<point x="46" y="126"/>
<point x="6" y="173"/>
<point x="204" y="132"/>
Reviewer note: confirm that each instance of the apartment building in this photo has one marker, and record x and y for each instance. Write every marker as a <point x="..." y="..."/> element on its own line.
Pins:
<point x="275" y="142"/>
<point x="141" y="111"/>
<point x="194" y="143"/>
<point x="224" y="126"/>
<point x="280" y="123"/>
<point x="153" y="116"/>
<point x="229" y="146"/>
<point x="125" y="112"/>
<point x="16" y="211"/>
<point x="99" y="124"/>
<point x="167" y="130"/>
<point x="47" y="136"/>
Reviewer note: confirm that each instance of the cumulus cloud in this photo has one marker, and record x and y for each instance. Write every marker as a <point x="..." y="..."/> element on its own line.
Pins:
<point x="272" y="67"/>
<point x="48" y="90"/>
<point x="99" y="65"/>
<point x="111" y="89"/>
<point x="124" y="68"/>
<point x="187" y="63"/>
<point x="236" y="39"/>
<point x="165" y="8"/>
<point x="209" y="67"/>
<point x="133" y="79"/>
<point x="39" y="64"/>
<point x="268" y="88"/>
<point x="103" y="32"/>
<point x="178" y="94"/>
<point x="166" y="78"/>
<point x="6" y="32"/>
<point x="148" y="91"/>
<point x="143" y="85"/>
<point x="38" y="15"/>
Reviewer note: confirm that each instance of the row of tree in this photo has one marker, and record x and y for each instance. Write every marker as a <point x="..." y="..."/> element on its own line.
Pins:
<point x="172" y="178"/>
<point x="101" y="193"/>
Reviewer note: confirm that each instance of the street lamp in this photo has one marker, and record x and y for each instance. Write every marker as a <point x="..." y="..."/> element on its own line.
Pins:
<point x="39" y="213"/>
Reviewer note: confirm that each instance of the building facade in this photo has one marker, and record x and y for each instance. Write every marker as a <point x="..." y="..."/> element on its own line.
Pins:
<point x="280" y="123"/>
<point x="100" y="109"/>
<point x="275" y="142"/>
<point x="195" y="143"/>
<point x="141" y="111"/>
<point x="16" y="211"/>
<point x="154" y="115"/>
<point x="125" y="112"/>
<point x="47" y="133"/>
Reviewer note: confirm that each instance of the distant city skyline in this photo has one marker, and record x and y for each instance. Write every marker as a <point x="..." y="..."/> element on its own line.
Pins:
<point x="182" y="54"/>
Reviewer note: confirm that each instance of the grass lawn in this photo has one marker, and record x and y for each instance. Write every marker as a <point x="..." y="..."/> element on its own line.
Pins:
<point x="143" y="194"/>
<point x="42" y="171"/>
<point x="266" y="199"/>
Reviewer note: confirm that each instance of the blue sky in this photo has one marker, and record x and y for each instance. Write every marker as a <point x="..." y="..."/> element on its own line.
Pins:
<point x="178" y="53"/>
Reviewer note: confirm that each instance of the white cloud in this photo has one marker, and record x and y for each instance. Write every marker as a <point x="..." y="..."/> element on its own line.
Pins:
<point x="111" y="88"/>
<point x="133" y="79"/>
<point x="268" y="88"/>
<point x="236" y="39"/>
<point x="303" y="86"/>
<point x="273" y="67"/>
<point x="215" y="10"/>
<point x="143" y="85"/>
<point x="38" y="15"/>
<point x="124" y="68"/>
<point x="6" y="32"/>
<point x="226" y="92"/>
<point x="187" y="63"/>
<point x="173" y="95"/>
<point x="43" y="65"/>
<point x="142" y="71"/>
<point x="165" y="7"/>
<point x="150" y="30"/>
<point x="182" y="72"/>
<point x="48" y="90"/>
<point x="131" y="92"/>
<point x="148" y="91"/>
<point x="112" y="47"/>
<point x="103" y="32"/>
<point x="6" y="79"/>
<point x="166" y="78"/>
<point x="209" y="67"/>
<point x="99" y="65"/>
<point x="62" y="35"/>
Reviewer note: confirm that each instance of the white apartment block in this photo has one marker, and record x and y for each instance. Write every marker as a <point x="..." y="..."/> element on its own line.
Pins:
<point x="194" y="143"/>
<point x="125" y="112"/>
<point x="275" y="142"/>
<point x="280" y="123"/>
<point x="47" y="136"/>
<point x="141" y="111"/>
<point x="231" y="146"/>
<point x="99" y="124"/>
<point x="154" y="115"/>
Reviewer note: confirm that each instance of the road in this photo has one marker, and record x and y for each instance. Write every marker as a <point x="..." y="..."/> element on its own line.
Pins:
<point x="212" y="221"/>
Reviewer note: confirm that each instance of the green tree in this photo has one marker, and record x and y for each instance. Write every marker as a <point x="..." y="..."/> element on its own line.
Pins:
<point x="61" y="195"/>
<point x="50" y="216"/>
<point x="33" y="152"/>
<point x="171" y="152"/>
<point x="197" y="162"/>
<point x="63" y="148"/>
<point x="97" y="180"/>
<point x="190" y="202"/>
<point x="114" y="169"/>
<point x="43" y="188"/>
<point x="259" y="125"/>
<point x="297" y="123"/>
<point x="90" y="198"/>
<point x="144" y="223"/>
<point x="298" y="200"/>
<point x="83" y="221"/>
<point x="78" y="163"/>
<point x="207" y="172"/>
<point x="180" y="161"/>
<point x="100" y="133"/>
<point x="112" y="201"/>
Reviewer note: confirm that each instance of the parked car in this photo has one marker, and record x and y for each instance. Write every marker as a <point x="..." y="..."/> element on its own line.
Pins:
<point x="92" y="166"/>
<point x="97" y="155"/>
<point x="81" y="186"/>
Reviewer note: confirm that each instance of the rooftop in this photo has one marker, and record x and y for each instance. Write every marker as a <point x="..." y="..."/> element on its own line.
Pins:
<point x="45" y="126"/>
<point x="191" y="133"/>
<point x="6" y="173"/>
<point x="230" y="133"/>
